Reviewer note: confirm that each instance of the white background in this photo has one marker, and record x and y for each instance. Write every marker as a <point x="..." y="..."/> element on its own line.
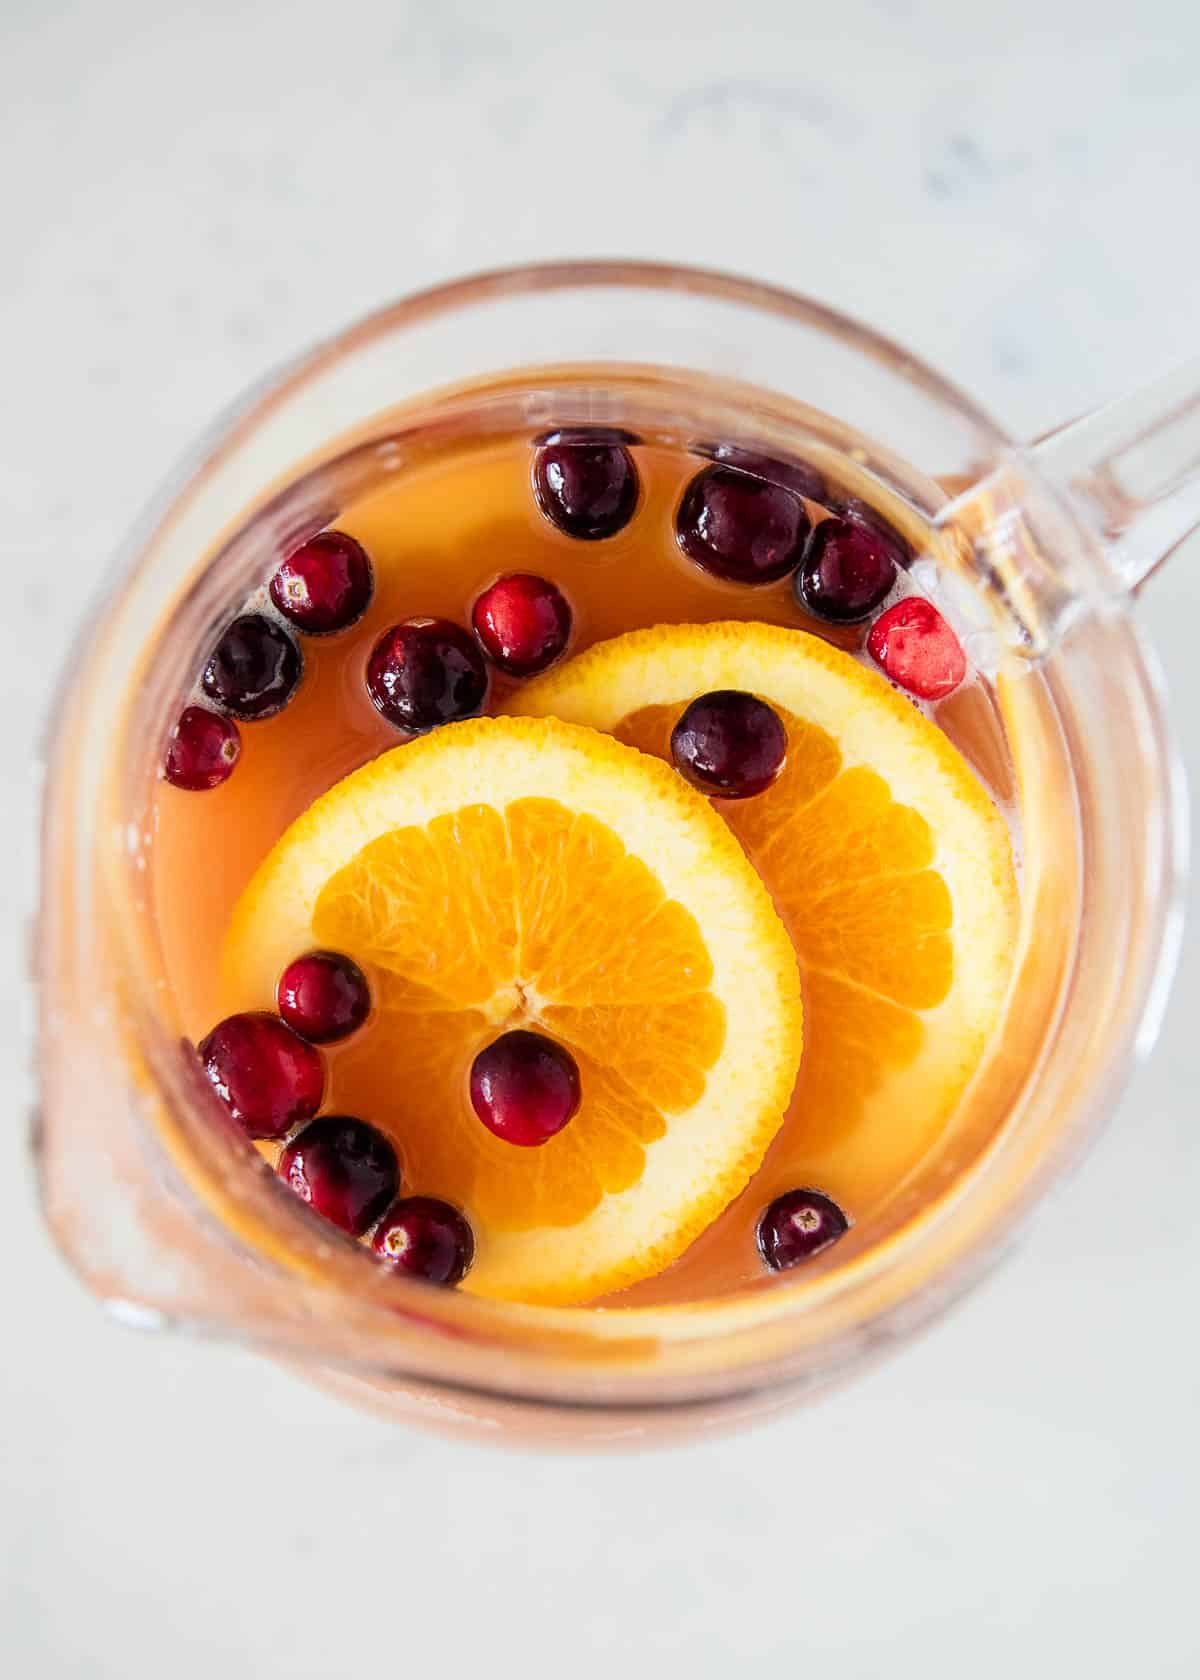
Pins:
<point x="188" y="194"/>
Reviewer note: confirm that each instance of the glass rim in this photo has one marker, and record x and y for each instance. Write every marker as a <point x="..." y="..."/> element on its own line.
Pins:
<point x="796" y="1298"/>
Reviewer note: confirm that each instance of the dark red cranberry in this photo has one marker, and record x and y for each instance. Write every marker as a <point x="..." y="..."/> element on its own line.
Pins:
<point x="729" y="745"/>
<point x="918" y="649"/>
<point x="254" y="668"/>
<point x="522" y="623"/>
<point x="863" y="513"/>
<point x="585" y="482"/>
<point x="798" y="1225"/>
<point x="524" y="1087"/>
<point x="268" y="1078"/>
<point x="792" y="473"/>
<point x="425" y="672"/>
<point x="323" y="996"/>
<point x="848" y="569"/>
<point x="427" y="1238"/>
<point x="326" y="585"/>
<point x="344" y="1169"/>
<point x="739" y="527"/>
<point x="202" y="751"/>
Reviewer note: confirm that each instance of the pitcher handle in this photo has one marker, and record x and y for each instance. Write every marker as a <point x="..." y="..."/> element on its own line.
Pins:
<point x="1127" y="473"/>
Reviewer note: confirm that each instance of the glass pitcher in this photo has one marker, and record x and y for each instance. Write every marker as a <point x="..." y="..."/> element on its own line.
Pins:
<point x="1039" y="550"/>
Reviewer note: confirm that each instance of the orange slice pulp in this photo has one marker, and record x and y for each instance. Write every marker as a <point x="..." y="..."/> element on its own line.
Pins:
<point x="886" y="858"/>
<point x="525" y="872"/>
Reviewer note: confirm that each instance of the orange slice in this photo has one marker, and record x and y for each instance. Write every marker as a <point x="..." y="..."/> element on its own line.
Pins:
<point x="519" y="872"/>
<point x="887" y="860"/>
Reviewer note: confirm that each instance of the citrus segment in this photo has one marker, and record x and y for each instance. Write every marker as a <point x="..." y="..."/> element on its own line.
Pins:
<point x="887" y="860"/>
<point x="523" y="873"/>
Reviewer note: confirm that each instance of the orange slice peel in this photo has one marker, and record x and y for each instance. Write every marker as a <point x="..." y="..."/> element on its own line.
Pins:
<point x="886" y="857"/>
<point x="527" y="872"/>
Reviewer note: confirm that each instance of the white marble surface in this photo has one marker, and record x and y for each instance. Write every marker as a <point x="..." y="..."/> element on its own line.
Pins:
<point x="189" y="194"/>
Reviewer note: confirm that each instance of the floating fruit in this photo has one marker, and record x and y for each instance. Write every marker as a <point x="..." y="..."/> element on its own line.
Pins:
<point x="518" y="874"/>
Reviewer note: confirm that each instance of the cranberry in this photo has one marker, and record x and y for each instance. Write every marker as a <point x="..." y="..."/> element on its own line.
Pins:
<point x="323" y="996"/>
<point x="344" y="1169"/>
<point x="427" y="1238"/>
<point x="792" y="473"/>
<point x="728" y="744"/>
<point x="585" y="482"/>
<point x="522" y="623"/>
<point x="740" y="527"/>
<point x="848" y="569"/>
<point x="267" y="1077"/>
<point x="202" y="751"/>
<point x="325" y="585"/>
<point x="798" y="1225"/>
<point x="918" y="649"/>
<point x="863" y="513"/>
<point x="254" y="668"/>
<point x="425" y="672"/>
<point x="524" y="1087"/>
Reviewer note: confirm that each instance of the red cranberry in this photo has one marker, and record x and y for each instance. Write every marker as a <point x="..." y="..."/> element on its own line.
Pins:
<point x="202" y="751"/>
<point x="792" y="473"/>
<point x="268" y="1078"/>
<point x="741" y="528"/>
<point x="729" y="745"/>
<point x="254" y="668"/>
<point x="585" y="482"/>
<point x="323" y="996"/>
<point x="344" y="1169"/>
<point x="848" y="569"/>
<point x="918" y="649"/>
<point x="325" y="585"/>
<point x="522" y="623"/>
<point x="798" y="1225"/>
<point x="426" y="1238"/>
<point x="426" y="672"/>
<point x="524" y="1087"/>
